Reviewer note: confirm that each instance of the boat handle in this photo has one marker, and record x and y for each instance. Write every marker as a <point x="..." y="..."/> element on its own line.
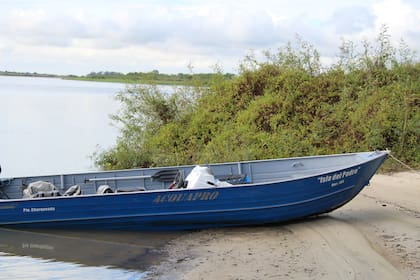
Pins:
<point x="118" y="178"/>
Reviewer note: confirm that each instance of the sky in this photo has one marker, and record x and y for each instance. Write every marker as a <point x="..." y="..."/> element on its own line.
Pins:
<point x="171" y="36"/>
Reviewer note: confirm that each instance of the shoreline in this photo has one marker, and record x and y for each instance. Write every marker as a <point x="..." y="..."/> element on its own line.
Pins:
<point x="117" y="80"/>
<point x="374" y="236"/>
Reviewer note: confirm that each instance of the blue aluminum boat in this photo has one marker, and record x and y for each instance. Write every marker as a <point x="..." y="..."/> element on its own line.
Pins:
<point x="188" y="197"/>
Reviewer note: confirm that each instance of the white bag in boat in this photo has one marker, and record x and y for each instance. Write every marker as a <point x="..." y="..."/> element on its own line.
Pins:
<point x="202" y="177"/>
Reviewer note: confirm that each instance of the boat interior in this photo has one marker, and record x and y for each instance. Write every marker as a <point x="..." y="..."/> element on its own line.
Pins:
<point x="150" y="179"/>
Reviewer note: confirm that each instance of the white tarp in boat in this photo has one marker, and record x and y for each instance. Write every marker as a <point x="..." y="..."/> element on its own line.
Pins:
<point x="40" y="189"/>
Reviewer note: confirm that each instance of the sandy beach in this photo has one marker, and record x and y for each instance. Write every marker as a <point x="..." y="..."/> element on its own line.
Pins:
<point x="375" y="236"/>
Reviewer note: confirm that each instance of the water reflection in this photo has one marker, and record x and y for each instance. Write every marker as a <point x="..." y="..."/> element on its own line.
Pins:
<point x="14" y="267"/>
<point x="75" y="255"/>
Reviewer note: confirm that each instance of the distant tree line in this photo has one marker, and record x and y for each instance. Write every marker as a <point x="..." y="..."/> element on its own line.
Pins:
<point x="103" y="74"/>
<point x="153" y="77"/>
<point x="26" y="74"/>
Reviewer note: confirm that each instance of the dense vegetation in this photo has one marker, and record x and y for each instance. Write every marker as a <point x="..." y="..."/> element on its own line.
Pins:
<point x="285" y="105"/>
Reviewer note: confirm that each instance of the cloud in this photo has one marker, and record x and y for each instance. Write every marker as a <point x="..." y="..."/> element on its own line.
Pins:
<point x="402" y="19"/>
<point x="39" y="27"/>
<point x="132" y="35"/>
<point x="350" y="20"/>
<point x="208" y="26"/>
<point x="144" y="24"/>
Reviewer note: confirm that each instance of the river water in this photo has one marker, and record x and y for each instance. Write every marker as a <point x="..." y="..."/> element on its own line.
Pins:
<point x="52" y="126"/>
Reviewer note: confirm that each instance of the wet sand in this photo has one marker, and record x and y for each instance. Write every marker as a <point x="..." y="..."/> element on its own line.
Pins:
<point x="375" y="236"/>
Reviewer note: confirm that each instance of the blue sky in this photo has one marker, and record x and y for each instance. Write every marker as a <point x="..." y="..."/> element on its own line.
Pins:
<point x="77" y="37"/>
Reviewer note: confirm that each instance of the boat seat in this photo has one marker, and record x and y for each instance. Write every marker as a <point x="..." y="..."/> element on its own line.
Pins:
<point x="234" y="179"/>
<point x="178" y="181"/>
<point x="131" y="190"/>
<point x="166" y="175"/>
<point x="73" y="191"/>
<point x="104" y="189"/>
<point x="46" y="194"/>
<point x="4" y="183"/>
<point x="2" y="193"/>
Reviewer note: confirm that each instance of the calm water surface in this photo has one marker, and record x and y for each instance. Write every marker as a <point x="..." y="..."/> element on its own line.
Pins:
<point x="52" y="126"/>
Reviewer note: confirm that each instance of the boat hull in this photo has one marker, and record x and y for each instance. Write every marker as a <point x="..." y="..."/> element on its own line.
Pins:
<point x="262" y="203"/>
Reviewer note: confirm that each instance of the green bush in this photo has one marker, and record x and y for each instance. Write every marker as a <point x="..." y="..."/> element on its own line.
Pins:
<point x="284" y="106"/>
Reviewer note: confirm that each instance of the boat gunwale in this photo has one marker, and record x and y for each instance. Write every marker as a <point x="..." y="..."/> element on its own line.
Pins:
<point x="208" y="164"/>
